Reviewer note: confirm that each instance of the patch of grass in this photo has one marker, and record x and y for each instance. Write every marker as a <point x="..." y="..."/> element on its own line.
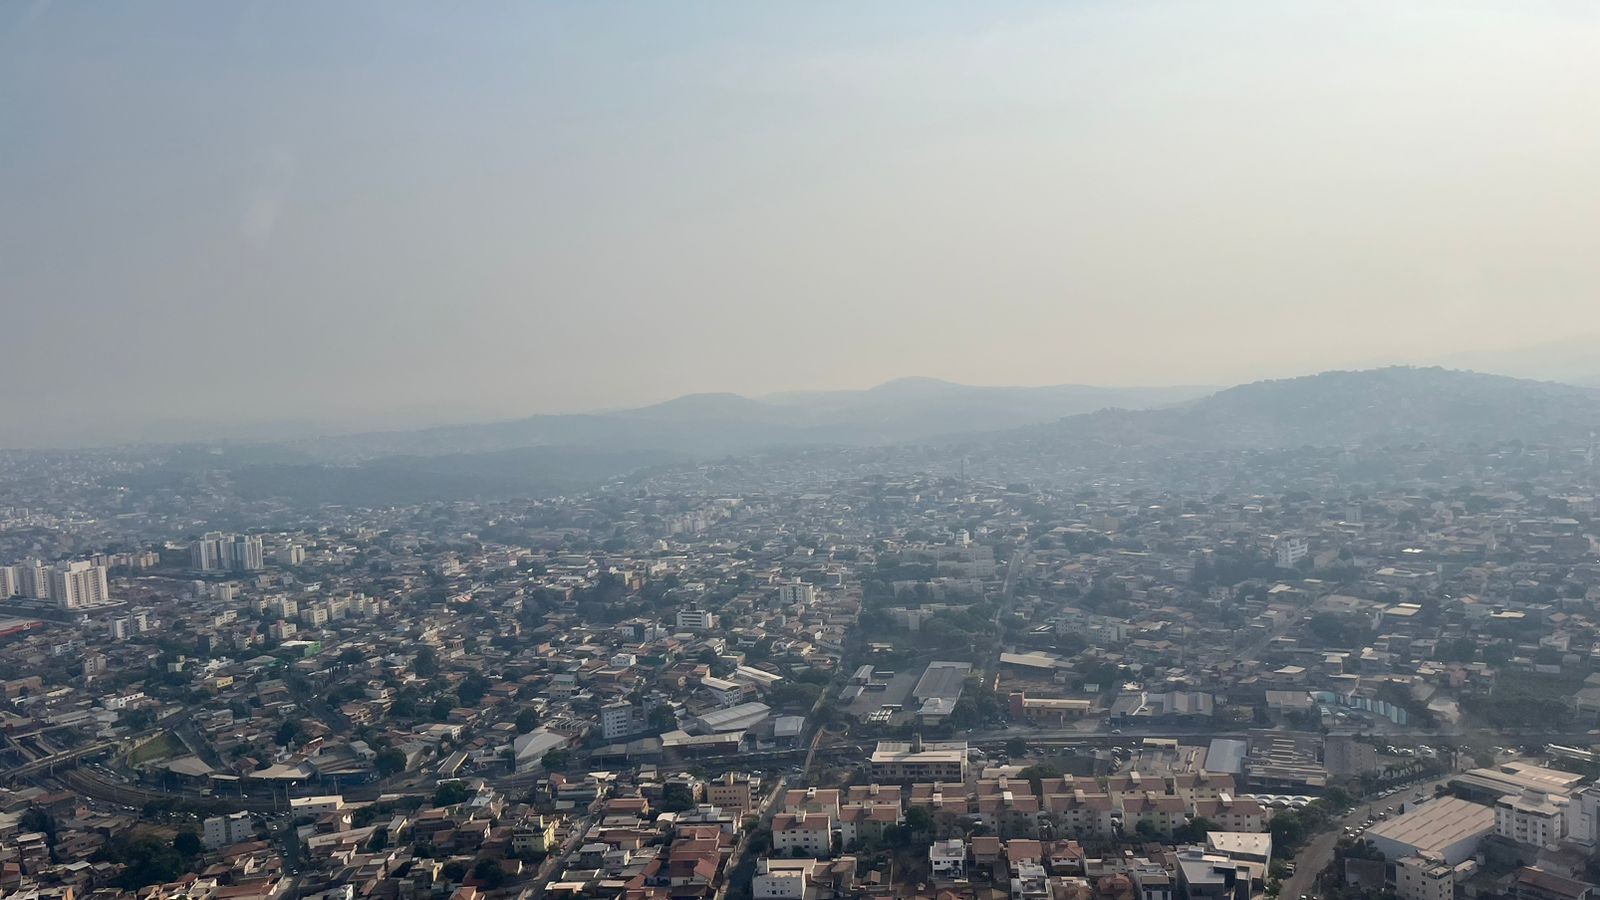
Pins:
<point x="163" y="747"/>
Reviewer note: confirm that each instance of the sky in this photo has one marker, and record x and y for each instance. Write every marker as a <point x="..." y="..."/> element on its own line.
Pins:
<point x="218" y="216"/>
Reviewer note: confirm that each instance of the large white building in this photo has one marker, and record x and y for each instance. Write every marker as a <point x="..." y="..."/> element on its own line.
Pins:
<point x="696" y="620"/>
<point x="1583" y="816"/>
<point x="79" y="584"/>
<point x="1532" y="818"/>
<point x="247" y="553"/>
<point x="1290" y="551"/>
<point x="316" y="806"/>
<point x="33" y="580"/>
<point x="218" y="552"/>
<point x="1449" y="829"/>
<point x="918" y="760"/>
<point x="802" y="832"/>
<point x="225" y="831"/>
<point x="72" y="585"/>
<point x="618" y="720"/>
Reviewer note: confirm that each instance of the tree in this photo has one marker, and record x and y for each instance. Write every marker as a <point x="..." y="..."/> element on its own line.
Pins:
<point x="487" y="872"/>
<point x="146" y="861"/>
<point x="1287" y="830"/>
<point x="662" y="718"/>
<point x="426" y="662"/>
<point x="1016" y="747"/>
<point x="677" y="797"/>
<point x="555" y="760"/>
<point x="919" y="821"/>
<point x="288" y="732"/>
<point x="390" y="761"/>
<point x="1194" y="831"/>
<point x="527" y="720"/>
<point x="472" y="689"/>
<point x="36" y="819"/>
<point x="188" y="844"/>
<point x="1035" y="775"/>
<point x="454" y="870"/>
<point x="450" y="793"/>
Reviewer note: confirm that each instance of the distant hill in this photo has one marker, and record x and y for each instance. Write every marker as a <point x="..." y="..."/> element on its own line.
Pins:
<point x="911" y="409"/>
<point x="562" y="453"/>
<point x="1377" y="406"/>
<point x="557" y="454"/>
<point x="906" y="410"/>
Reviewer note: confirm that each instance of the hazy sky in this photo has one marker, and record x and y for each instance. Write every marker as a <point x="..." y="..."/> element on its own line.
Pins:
<point x="216" y="213"/>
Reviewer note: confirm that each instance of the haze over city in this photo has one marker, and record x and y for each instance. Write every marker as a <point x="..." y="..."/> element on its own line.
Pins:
<point x="1136" y="450"/>
<point x="323" y="218"/>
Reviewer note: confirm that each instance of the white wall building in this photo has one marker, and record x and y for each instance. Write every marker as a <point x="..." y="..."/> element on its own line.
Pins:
<point x="1428" y="878"/>
<point x="798" y="592"/>
<point x="809" y="833"/>
<point x="76" y="585"/>
<point x="696" y="620"/>
<point x="618" y="720"/>
<point x="1532" y="818"/>
<point x="948" y="859"/>
<point x="783" y="879"/>
<point x="1290" y="551"/>
<point x="225" y="831"/>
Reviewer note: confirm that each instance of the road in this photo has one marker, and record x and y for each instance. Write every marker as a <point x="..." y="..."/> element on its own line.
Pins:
<point x="1133" y="735"/>
<point x="1008" y="587"/>
<point x="764" y="814"/>
<point x="556" y="863"/>
<point x="1318" y="852"/>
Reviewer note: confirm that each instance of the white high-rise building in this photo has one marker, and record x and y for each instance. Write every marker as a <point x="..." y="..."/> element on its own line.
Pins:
<point x="247" y="555"/>
<point x="218" y="552"/>
<point x="206" y="554"/>
<point x="33" y="580"/>
<point x="79" y="584"/>
<point x="10" y="581"/>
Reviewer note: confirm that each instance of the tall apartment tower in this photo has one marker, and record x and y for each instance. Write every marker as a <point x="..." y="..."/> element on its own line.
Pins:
<point x="247" y="555"/>
<point x="79" y="584"/>
<point x="206" y="554"/>
<point x="33" y="580"/>
<point x="218" y="552"/>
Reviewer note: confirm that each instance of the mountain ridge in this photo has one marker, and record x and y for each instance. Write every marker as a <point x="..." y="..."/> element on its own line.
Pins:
<point x="1391" y="406"/>
<point x="1342" y="407"/>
